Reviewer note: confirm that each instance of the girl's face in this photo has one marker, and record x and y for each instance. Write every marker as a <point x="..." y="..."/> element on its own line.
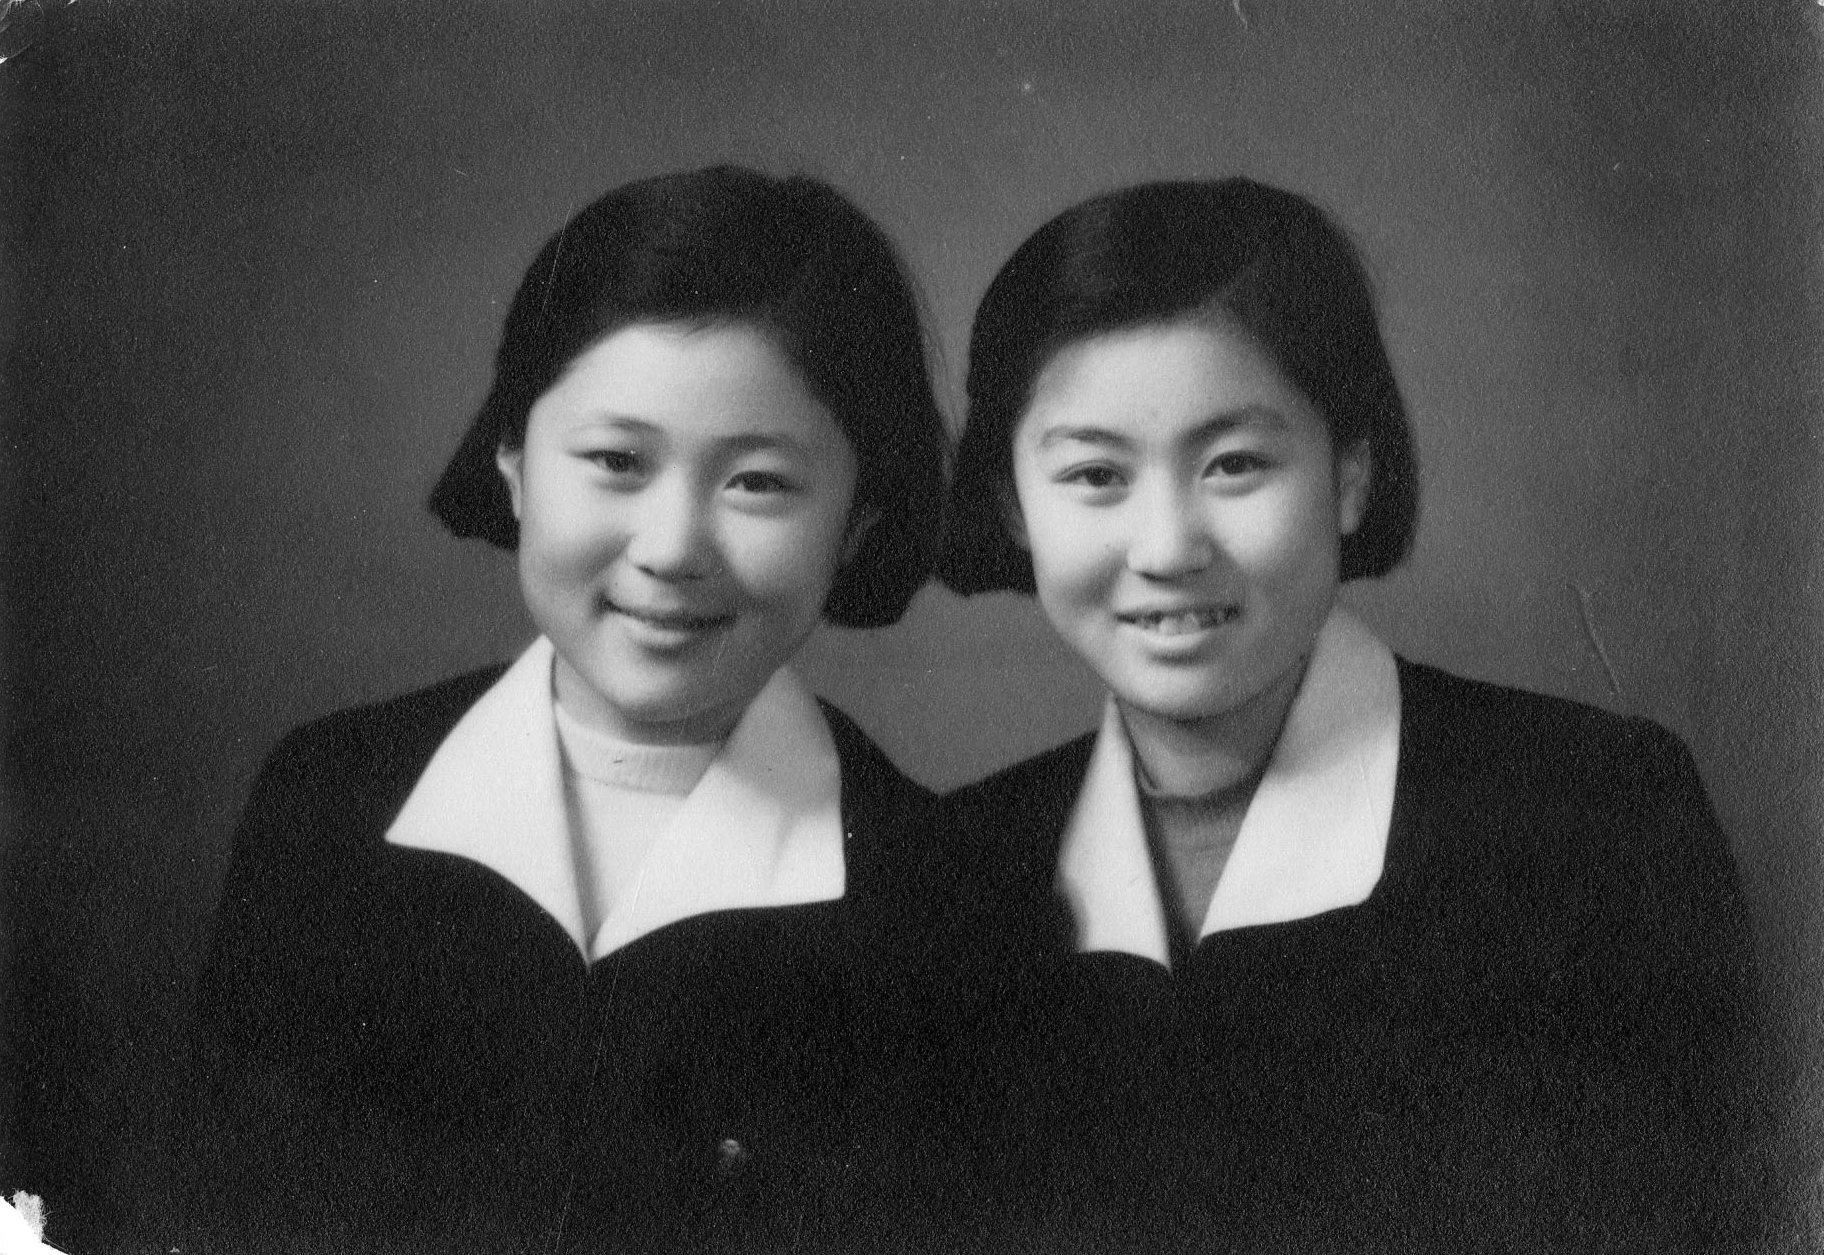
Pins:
<point x="683" y="505"/>
<point x="1183" y="508"/>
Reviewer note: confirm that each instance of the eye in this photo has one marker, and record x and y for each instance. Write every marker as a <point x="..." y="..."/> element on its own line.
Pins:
<point x="1095" y="475"/>
<point x="760" y="482"/>
<point x="1238" y="463"/>
<point x="614" y="461"/>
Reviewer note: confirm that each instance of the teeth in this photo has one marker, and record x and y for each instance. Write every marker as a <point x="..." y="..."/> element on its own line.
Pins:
<point x="1184" y="622"/>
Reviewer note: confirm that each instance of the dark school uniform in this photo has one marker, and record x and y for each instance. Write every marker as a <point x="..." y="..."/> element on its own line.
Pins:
<point x="1519" y="1016"/>
<point x="403" y="1048"/>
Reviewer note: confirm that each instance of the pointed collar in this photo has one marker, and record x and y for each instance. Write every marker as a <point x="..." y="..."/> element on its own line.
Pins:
<point x="1315" y="835"/>
<point x="763" y="827"/>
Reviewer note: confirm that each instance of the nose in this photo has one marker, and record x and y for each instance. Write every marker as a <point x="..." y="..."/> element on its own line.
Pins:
<point x="670" y="533"/>
<point x="1170" y="537"/>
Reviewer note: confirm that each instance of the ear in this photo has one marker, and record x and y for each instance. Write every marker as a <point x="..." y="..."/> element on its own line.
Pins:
<point x="1354" y="475"/>
<point x="861" y="522"/>
<point x="512" y="469"/>
<point x="1012" y="516"/>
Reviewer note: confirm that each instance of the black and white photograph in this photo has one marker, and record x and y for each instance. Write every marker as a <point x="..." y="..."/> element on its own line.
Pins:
<point x="956" y="626"/>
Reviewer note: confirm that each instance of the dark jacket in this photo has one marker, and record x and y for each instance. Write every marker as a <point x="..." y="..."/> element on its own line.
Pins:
<point x="400" y="1051"/>
<point x="1539" y="1033"/>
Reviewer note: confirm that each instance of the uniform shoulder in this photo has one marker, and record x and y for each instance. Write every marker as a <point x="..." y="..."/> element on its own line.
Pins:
<point x="1561" y="792"/>
<point x="865" y="765"/>
<point x="355" y="763"/>
<point x="1512" y="729"/>
<point x="1004" y="829"/>
<point x="1044" y="775"/>
<point x="391" y="724"/>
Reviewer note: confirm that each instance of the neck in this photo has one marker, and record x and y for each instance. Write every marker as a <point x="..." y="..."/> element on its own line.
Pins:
<point x="1204" y="757"/>
<point x="588" y="707"/>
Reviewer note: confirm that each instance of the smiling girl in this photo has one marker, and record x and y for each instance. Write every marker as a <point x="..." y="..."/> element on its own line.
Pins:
<point x="625" y="946"/>
<point x="1316" y="948"/>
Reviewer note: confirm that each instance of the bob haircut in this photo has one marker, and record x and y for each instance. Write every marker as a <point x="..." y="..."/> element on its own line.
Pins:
<point x="729" y="246"/>
<point x="1160" y="253"/>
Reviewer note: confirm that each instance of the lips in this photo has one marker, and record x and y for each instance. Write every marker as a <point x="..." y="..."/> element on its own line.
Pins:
<point x="1180" y="621"/>
<point x="664" y="620"/>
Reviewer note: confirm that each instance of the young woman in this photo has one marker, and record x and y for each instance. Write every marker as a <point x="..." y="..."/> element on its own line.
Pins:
<point x="1317" y="948"/>
<point x="626" y="946"/>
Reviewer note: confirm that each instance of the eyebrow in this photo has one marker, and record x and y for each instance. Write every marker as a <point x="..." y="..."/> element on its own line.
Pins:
<point x="607" y="418"/>
<point x="1215" y="425"/>
<point x="765" y="441"/>
<point x="745" y="442"/>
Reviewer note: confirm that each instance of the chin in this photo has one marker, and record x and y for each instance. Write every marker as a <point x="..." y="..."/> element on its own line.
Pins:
<point x="1179" y="707"/>
<point x="644" y="706"/>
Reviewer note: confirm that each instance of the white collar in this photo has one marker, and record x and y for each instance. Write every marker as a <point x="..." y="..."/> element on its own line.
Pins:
<point x="1315" y="835"/>
<point x="763" y="827"/>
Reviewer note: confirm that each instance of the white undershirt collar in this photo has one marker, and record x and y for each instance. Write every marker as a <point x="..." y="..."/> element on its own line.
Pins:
<point x="763" y="827"/>
<point x="1315" y="835"/>
<point x="669" y="770"/>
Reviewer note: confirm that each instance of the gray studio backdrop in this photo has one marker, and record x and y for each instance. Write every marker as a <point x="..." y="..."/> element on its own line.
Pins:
<point x="259" y="253"/>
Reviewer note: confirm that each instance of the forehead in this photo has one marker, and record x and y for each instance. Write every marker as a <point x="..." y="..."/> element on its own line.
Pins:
<point x="688" y="382"/>
<point x="1155" y="381"/>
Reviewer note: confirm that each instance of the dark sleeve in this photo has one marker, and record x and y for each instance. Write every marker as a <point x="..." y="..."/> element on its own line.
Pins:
<point x="254" y="1145"/>
<point x="1684" y="1020"/>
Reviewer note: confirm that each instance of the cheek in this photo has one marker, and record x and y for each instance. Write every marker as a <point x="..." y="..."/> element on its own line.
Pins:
<point x="1291" y="538"/>
<point x="1075" y="553"/>
<point x="788" y="566"/>
<point x="563" y="524"/>
<point x="561" y="546"/>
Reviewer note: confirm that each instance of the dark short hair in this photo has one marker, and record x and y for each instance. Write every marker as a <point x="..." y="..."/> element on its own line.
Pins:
<point x="725" y="245"/>
<point x="1159" y="253"/>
